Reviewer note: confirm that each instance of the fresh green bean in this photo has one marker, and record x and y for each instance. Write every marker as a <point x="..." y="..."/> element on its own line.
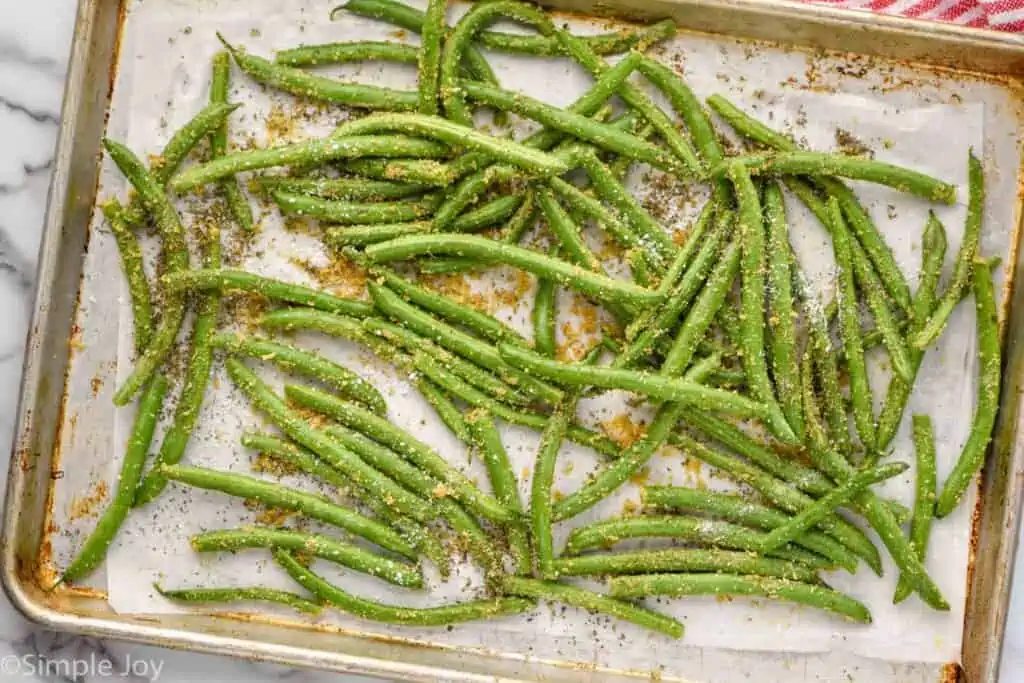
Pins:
<point x="241" y="594"/>
<point x="679" y="585"/>
<point x="346" y="382"/>
<point x="965" y="257"/>
<point x="135" y="274"/>
<point x="94" y="550"/>
<point x="567" y="232"/>
<point x="857" y="168"/>
<point x="691" y="530"/>
<point x="285" y="498"/>
<point x="320" y="151"/>
<point x="220" y="82"/>
<point x="592" y="284"/>
<point x="497" y="210"/>
<point x="454" y="482"/>
<point x="924" y="497"/>
<point x="656" y="386"/>
<point x="450" y="414"/>
<point x="702" y="314"/>
<point x="583" y="204"/>
<point x="429" y="64"/>
<point x="317" y="545"/>
<point x="752" y="234"/>
<point x="420" y="171"/>
<point x="462" y="343"/>
<point x="860" y="390"/>
<point x="305" y="84"/>
<point x="341" y="53"/>
<point x="419" y="536"/>
<point x="602" y="135"/>
<point x="972" y="457"/>
<point x="824" y="506"/>
<point x="500" y="149"/>
<point x="445" y="615"/>
<point x="781" y="309"/>
<point x="748" y="126"/>
<point x="229" y="280"/>
<point x="780" y="494"/>
<point x="545" y="315"/>
<point x="683" y="560"/>
<point x="594" y="602"/>
<point x="197" y="377"/>
<point x="484" y="434"/>
<point x="741" y="510"/>
<point x="362" y="235"/>
<point x="351" y="189"/>
<point x="933" y="254"/>
<point x="347" y="213"/>
<point x="175" y="258"/>
<point x="679" y="297"/>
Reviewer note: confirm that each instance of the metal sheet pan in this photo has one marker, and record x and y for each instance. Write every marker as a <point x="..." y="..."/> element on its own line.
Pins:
<point x="94" y="60"/>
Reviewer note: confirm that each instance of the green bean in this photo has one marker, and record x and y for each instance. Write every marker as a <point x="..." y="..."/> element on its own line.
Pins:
<point x="965" y="257"/>
<point x="429" y="64"/>
<point x="229" y="280"/>
<point x="592" y="284"/>
<point x="691" y="530"/>
<point x="860" y="390"/>
<point x="545" y="315"/>
<point x="529" y="159"/>
<point x="315" y="152"/>
<point x="741" y="510"/>
<point x="454" y="365"/>
<point x="781" y="309"/>
<point x="701" y="315"/>
<point x="419" y="536"/>
<point x="679" y="585"/>
<point x="704" y="368"/>
<point x="241" y="594"/>
<point x="363" y="235"/>
<point x="581" y="127"/>
<point x="94" y="550"/>
<point x="824" y="506"/>
<point x="352" y="189"/>
<point x="484" y="434"/>
<point x="175" y="258"/>
<point x="678" y="298"/>
<point x="924" y="497"/>
<point x="135" y="274"/>
<point x="972" y="457"/>
<point x="413" y="19"/>
<point x="354" y="212"/>
<point x="460" y="342"/>
<point x="445" y="615"/>
<point x="341" y="53"/>
<point x="656" y="386"/>
<point x="933" y="253"/>
<point x="523" y="219"/>
<point x="611" y="190"/>
<point x="344" y="381"/>
<point x="197" y="377"/>
<point x="305" y="84"/>
<point x="585" y="205"/>
<point x="220" y="80"/>
<point x="317" y="545"/>
<point x="859" y="220"/>
<point x="702" y="231"/>
<point x="857" y="168"/>
<point x="454" y="482"/>
<point x="497" y="210"/>
<point x="413" y="478"/>
<point x="780" y="494"/>
<point x="450" y="414"/>
<point x="594" y="602"/>
<point x="752" y="234"/>
<point x="285" y="498"/>
<point x="567" y="232"/>
<point x="420" y="171"/>
<point x="683" y="560"/>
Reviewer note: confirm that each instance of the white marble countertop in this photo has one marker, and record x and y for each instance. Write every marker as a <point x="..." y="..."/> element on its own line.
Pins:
<point x="34" y="43"/>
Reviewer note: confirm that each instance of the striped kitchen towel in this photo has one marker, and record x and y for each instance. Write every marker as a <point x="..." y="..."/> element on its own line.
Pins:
<point x="1002" y="15"/>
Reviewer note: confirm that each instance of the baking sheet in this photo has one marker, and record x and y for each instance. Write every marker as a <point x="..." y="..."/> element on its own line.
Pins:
<point x="907" y="117"/>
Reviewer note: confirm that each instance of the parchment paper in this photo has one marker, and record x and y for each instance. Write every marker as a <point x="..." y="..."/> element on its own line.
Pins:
<point x="908" y="117"/>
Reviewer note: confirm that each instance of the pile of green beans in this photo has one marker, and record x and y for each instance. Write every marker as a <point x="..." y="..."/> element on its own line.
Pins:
<point x="712" y="332"/>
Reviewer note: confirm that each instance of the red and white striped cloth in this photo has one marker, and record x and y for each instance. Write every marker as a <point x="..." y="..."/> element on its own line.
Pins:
<point x="1001" y="15"/>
